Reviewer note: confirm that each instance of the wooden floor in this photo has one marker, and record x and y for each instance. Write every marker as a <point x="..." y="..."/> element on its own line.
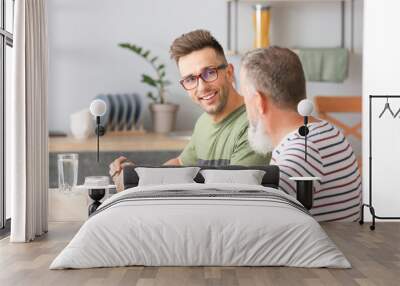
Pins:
<point x="375" y="257"/>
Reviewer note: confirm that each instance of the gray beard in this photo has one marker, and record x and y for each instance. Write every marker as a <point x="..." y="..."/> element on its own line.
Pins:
<point x="259" y="141"/>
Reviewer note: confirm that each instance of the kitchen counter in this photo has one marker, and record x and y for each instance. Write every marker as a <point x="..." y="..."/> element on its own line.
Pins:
<point x="121" y="143"/>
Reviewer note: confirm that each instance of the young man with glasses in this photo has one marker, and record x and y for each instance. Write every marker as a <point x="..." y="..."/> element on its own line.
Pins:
<point x="220" y="134"/>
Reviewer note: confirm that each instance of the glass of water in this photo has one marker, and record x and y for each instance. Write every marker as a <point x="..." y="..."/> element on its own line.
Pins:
<point x="67" y="171"/>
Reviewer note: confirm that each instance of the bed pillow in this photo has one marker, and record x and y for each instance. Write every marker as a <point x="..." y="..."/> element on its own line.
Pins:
<point x="248" y="177"/>
<point x="166" y="176"/>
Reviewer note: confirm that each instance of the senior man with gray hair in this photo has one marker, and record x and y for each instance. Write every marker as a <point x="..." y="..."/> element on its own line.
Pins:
<point x="272" y="82"/>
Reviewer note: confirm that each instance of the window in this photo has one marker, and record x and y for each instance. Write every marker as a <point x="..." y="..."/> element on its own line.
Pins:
<point x="6" y="44"/>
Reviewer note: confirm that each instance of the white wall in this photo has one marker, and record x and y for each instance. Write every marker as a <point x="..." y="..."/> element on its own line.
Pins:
<point x="85" y="59"/>
<point x="381" y="76"/>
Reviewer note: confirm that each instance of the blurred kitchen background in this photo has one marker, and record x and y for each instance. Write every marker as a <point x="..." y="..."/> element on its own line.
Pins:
<point x="86" y="61"/>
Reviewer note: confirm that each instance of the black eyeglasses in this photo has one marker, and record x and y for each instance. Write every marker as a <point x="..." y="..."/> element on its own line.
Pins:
<point x="209" y="74"/>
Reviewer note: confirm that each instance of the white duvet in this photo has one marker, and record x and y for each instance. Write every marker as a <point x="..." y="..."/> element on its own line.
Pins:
<point x="185" y="230"/>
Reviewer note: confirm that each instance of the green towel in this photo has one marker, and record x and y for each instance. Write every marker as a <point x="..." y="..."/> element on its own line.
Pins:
<point x="335" y="65"/>
<point x="311" y="59"/>
<point x="324" y="64"/>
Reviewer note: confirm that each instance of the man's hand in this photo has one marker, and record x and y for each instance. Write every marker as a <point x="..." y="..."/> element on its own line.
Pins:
<point x="117" y="165"/>
<point x="116" y="172"/>
<point x="173" y="162"/>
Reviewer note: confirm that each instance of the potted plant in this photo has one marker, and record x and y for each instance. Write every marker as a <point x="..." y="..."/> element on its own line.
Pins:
<point x="163" y="113"/>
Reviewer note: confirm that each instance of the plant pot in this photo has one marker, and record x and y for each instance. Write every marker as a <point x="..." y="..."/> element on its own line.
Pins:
<point x="163" y="117"/>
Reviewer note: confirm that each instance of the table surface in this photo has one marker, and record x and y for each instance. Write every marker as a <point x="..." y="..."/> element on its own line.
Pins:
<point x="118" y="143"/>
<point x="305" y="178"/>
<point x="69" y="206"/>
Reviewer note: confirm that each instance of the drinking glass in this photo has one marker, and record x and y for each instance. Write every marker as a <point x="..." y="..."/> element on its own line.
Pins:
<point x="67" y="171"/>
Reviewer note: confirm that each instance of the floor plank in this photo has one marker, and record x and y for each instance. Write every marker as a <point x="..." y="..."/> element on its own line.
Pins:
<point x="374" y="255"/>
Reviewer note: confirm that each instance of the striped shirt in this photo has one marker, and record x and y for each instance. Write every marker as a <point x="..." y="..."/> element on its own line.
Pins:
<point x="337" y="196"/>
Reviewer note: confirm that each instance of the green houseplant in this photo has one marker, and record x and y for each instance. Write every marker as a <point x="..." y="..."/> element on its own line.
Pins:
<point x="163" y="113"/>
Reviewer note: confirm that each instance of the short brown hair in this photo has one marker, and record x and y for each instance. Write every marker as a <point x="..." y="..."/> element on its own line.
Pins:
<point x="278" y="72"/>
<point x="194" y="41"/>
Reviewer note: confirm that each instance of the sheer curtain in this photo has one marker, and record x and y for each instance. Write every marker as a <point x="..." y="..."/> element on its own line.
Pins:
<point x="26" y="123"/>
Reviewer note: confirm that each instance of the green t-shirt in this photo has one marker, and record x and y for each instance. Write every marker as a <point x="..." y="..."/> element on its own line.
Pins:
<point x="223" y="143"/>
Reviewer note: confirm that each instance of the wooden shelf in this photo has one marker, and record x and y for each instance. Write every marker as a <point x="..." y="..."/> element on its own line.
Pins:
<point x="119" y="143"/>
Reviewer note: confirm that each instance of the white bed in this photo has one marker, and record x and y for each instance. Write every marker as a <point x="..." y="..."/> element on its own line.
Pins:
<point x="201" y="224"/>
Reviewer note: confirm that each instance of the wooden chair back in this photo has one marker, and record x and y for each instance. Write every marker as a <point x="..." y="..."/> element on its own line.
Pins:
<point x="325" y="105"/>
